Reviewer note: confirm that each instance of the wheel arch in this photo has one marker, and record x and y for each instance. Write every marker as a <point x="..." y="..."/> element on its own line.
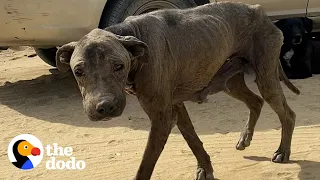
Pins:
<point x="201" y="2"/>
<point x="109" y="3"/>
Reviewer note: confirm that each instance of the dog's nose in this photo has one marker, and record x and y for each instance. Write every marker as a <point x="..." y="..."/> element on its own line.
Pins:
<point x="297" y="39"/>
<point x="105" y="107"/>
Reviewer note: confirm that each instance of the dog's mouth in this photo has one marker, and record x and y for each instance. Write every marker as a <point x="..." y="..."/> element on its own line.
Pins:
<point x="296" y="40"/>
<point x="96" y="119"/>
<point x="104" y="117"/>
<point x="104" y="109"/>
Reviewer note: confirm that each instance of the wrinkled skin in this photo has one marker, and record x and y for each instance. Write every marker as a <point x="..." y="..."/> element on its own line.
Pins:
<point x="101" y="63"/>
<point x="219" y="81"/>
<point x="172" y="56"/>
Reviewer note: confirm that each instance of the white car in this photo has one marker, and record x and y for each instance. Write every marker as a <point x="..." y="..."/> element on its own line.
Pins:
<point x="46" y="24"/>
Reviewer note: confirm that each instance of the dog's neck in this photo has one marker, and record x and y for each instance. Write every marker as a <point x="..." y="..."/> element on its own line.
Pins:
<point x="121" y="29"/>
<point x="130" y="85"/>
<point x="124" y="29"/>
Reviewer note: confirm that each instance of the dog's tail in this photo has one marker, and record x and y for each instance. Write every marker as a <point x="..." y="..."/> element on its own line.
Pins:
<point x="286" y="81"/>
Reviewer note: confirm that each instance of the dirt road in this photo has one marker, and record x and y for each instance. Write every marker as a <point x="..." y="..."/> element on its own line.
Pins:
<point x="33" y="100"/>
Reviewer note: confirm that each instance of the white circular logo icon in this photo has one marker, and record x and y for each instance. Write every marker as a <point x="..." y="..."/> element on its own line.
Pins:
<point x="25" y="151"/>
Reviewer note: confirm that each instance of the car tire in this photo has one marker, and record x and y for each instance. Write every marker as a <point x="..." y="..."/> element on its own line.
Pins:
<point x="117" y="10"/>
<point x="47" y="55"/>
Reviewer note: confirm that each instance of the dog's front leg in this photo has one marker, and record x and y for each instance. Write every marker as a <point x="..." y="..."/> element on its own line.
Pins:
<point x="205" y="170"/>
<point x="161" y="125"/>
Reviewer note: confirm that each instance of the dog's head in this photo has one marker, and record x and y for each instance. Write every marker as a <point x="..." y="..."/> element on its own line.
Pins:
<point x="294" y="30"/>
<point x="101" y="62"/>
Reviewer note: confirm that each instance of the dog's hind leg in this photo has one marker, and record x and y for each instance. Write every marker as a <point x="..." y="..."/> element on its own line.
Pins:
<point x="266" y="63"/>
<point x="271" y="91"/>
<point x="239" y="90"/>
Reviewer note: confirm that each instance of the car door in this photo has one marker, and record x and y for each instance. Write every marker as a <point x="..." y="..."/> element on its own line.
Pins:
<point x="278" y="9"/>
<point x="314" y="14"/>
<point x="47" y="21"/>
<point x="314" y="8"/>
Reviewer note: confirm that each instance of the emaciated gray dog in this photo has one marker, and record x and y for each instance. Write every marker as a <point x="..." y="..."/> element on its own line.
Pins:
<point x="172" y="56"/>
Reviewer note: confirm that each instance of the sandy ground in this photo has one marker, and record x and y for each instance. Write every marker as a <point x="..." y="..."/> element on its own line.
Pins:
<point x="32" y="100"/>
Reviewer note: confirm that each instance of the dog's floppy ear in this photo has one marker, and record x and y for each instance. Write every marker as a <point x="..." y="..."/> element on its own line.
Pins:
<point x="280" y="23"/>
<point x="136" y="47"/>
<point x="63" y="56"/>
<point x="308" y="24"/>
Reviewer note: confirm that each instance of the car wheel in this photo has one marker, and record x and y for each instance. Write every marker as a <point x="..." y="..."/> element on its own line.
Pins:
<point x="117" y="10"/>
<point x="47" y="55"/>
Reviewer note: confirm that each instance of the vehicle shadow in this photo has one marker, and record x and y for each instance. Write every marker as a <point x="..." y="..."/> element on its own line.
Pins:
<point x="56" y="98"/>
<point x="309" y="169"/>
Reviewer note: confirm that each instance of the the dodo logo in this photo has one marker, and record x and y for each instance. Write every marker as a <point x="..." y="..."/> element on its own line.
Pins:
<point x="25" y="151"/>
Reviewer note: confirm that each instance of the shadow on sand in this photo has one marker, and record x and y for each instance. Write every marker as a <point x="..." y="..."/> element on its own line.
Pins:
<point x="309" y="169"/>
<point x="56" y="98"/>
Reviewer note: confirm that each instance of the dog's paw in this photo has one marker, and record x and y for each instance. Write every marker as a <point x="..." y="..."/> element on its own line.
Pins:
<point x="281" y="156"/>
<point x="203" y="175"/>
<point x="244" y="141"/>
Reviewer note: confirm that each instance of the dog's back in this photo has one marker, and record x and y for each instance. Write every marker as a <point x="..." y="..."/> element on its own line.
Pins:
<point x="215" y="31"/>
<point x="202" y="38"/>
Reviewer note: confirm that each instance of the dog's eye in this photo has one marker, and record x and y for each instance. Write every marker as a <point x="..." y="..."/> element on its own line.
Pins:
<point x="78" y="72"/>
<point x="118" y="67"/>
